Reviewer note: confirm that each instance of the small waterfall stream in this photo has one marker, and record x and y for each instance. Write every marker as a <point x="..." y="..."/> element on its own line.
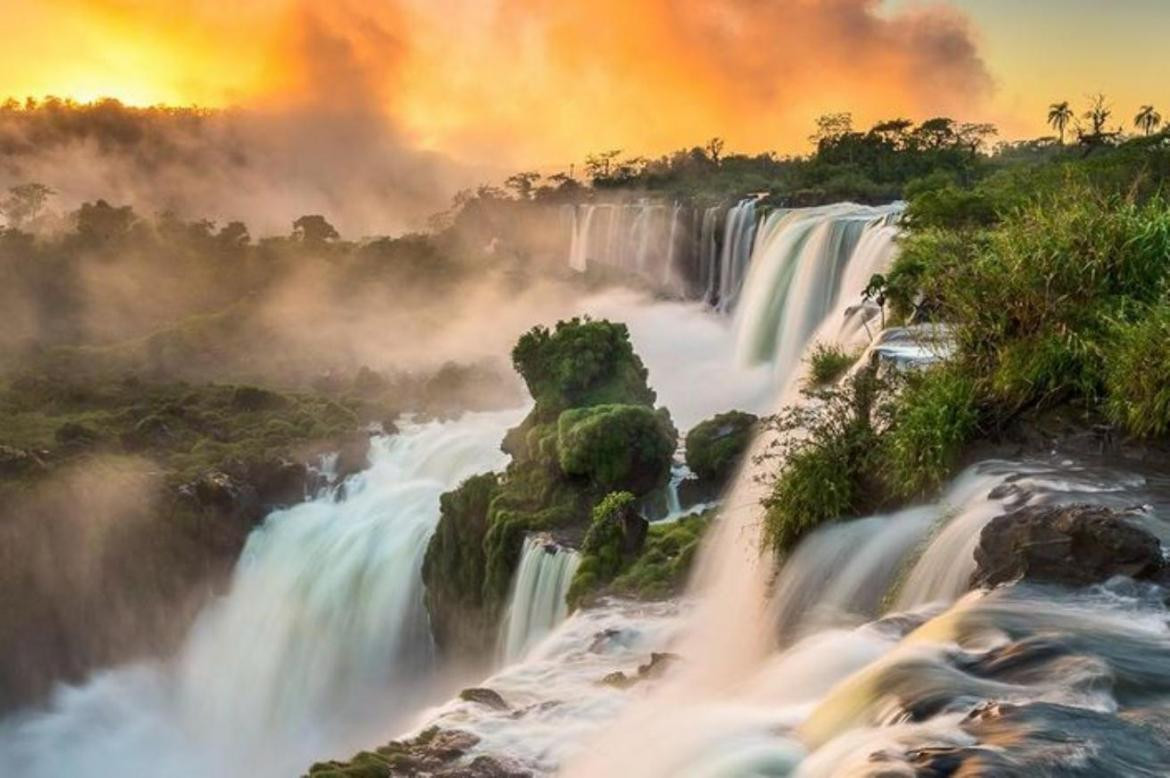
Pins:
<point x="537" y="601"/>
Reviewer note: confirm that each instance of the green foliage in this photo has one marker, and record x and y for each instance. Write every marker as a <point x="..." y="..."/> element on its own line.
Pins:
<point x="185" y="429"/>
<point x="827" y="363"/>
<point x="664" y="564"/>
<point x="933" y="417"/>
<point x="716" y="446"/>
<point x="617" y="447"/>
<point x="1137" y="374"/>
<point x="829" y="460"/>
<point x="578" y="364"/>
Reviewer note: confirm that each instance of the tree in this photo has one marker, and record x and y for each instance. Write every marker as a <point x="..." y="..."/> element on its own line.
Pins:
<point x="974" y="135"/>
<point x="522" y="184"/>
<point x="100" y="223"/>
<point x="24" y="203"/>
<point x="1147" y="119"/>
<point x="937" y="133"/>
<point x="599" y="165"/>
<point x="1097" y="115"/>
<point x="831" y="127"/>
<point x="714" y="149"/>
<point x="314" y="229"/>
<point x="1059" y="116"/>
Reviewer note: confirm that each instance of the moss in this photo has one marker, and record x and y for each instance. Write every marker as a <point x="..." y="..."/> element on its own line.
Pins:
<point x="663" y="567"/>
<point x="617" y="447"/>
<point x="716" y="446"/>
<point x="602" y="551"/>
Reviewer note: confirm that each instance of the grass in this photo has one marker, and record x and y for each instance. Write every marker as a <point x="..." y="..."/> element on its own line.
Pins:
<point x="827" y="363"/>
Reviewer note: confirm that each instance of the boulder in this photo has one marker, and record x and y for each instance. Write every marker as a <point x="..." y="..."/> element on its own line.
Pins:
<point x="279" y="482"/>
<point x="216" y="491"/>
<point x="353" y="454"/>
<point x="1073" y="545"/>
<point x="483" y="696"/>
<point x="716" y="446"/>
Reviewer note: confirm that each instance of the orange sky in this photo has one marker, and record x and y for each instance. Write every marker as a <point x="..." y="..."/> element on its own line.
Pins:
<point x="541" y="82"/>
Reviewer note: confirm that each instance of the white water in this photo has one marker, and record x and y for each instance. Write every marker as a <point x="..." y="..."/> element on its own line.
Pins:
<point x="536" y="604"/>
<point x="321" y="642"/>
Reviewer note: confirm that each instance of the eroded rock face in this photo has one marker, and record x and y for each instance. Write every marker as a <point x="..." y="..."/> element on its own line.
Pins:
<point x="1073" y="545"/>
<point x="483" y="696"/>
<point x="436" y="753"/>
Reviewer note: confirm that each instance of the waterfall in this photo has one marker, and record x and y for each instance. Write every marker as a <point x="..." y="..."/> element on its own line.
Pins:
<point x="738" y="240"/>
<point x="537" y="601"/>
<point x="321" y="642"/>
<point x="806" y="261"/>
<point x="640" y="238"/>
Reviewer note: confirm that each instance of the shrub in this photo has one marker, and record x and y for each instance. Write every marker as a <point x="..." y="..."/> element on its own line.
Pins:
<point x="716" y="446"/>
<point x="581" y="363"/>
<point x="1137" y="374"/>
<point x="617" y="446"/>
<point x="933" y="417"/>
<point x="829" y="453"/>
<point x="827" y="363"/>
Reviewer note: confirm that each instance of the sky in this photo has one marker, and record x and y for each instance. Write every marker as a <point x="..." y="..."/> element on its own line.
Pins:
<point x="546" y="82"/>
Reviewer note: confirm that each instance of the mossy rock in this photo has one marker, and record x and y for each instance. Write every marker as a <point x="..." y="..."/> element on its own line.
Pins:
<point x="617" y="447"/>
<point x="716" y="446"/>
<point x="581" y="363"/>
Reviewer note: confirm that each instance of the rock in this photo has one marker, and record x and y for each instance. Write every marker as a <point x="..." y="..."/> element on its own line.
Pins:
<point x="716" y="446"/>
<point x="217" y="491"/>
<point x="602" y="640"/>
<point x="487" y="767"/>
<point x="659" y="663"/>
<point x="1073" y="545"/>
<point x="489" y="697"/>
<point x="697" y="491"/>
<point x="279" y="483"/>
<point x="353" y="454"/>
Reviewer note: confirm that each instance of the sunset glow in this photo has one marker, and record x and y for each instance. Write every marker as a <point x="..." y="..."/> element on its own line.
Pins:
<point x="522" y="80"/>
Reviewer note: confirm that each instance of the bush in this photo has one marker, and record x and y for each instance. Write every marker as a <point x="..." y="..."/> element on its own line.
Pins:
<point x="829" y="461"/>
<point x="581" y="363"/>
<point x="716" y="446"/>
<point x="1137" y="374"/>
<point x="827" y="363"/>
<point x="617" y="447"/>
<point x="934" y="416"/>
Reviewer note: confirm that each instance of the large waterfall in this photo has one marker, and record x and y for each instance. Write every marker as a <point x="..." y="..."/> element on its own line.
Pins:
<point x="712" y="254"/>
<point x="537" y="602"/>
<point x="861" y="654"/>
<point x="321" y="644"/>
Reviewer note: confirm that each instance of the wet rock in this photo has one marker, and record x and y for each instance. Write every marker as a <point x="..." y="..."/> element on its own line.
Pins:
<point x="486" y="767"/>
<point x="1073" y="545"/>
<point x="1047" y="739"/>
<point x="482" y="696"/>
<point x="353" y="454"/>
<point x="659" y="663"/>
<point x="696" y="491"/>
<point x="603" y="640"/>
<point x="279" y="483"/>
<point x="216" y="491"/>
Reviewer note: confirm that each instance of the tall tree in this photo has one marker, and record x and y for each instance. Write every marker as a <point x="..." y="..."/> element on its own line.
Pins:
<point x="1059" y="116"/>
<point x="1147" y="119"/>
<point x="24" y="203"/>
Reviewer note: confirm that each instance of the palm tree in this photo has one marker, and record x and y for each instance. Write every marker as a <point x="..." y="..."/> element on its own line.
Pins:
<point x="1059" y="115"/>
<point x="1147" y="119"/>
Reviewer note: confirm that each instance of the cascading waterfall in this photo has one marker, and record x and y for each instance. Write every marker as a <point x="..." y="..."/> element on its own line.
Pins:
<point x="537" y="602"/>
<point x="805" y="261"/>
<point x="642" y="238"/>
<point x="738" y="244"/>
<point x="321" y="642"/>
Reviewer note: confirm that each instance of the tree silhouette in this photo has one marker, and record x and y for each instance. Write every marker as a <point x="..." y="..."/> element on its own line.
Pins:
<point x="714" y="149"/>
<point x="522" y="184"/>
<point x="1059" y="116"/>
<point x="314" y="229"/>
<point x="24" y="203"/>
<point x="1147" y="119"/>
